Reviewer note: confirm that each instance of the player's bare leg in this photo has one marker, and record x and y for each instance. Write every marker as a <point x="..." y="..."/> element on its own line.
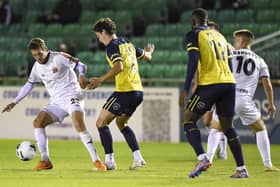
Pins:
<point x="263" y="145"/>
<point x="42" y="120"/>
<point x="79" y="124"/>
<point x="193" y="134"/>
<point x="131" y="141"/>
<point x="104" y="119"/>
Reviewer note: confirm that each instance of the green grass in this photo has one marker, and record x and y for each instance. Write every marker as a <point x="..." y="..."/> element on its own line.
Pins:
<point x="167" y="165"/>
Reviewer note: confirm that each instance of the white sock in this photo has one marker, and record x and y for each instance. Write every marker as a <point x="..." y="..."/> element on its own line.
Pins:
<point x="264" y="147"/>
<point x="42" y="142"/>
<point x="137" y="155"/>
<point x="223" y="145"/>
<point x="109" y="157"/>
<point x="240" y="167"/>
<point x="212" y="143"/>
<point x="87" y="141"/>
<point x="201" y="156"/>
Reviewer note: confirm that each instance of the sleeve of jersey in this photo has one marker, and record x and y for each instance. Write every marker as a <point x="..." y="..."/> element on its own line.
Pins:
<point x="67" y="60"/>
<point x="113" y="53"/>
<point x="33" y="77"/>
<point x="25" y="90"/>
<point x="264" y="71"/>
<point x="191" y="68"/>
<point x="230" y="56"/>
<point x="191" y="41"/>
<point x="139" y="53"/>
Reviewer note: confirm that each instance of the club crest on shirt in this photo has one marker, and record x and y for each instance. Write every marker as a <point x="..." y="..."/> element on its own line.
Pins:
<point x="200" y="105"/>
<point x="54" y="69"/>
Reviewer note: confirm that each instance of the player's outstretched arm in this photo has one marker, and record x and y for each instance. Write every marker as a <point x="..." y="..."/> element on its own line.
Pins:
<point x="270" y="96"/>
<point x="148" y="52"/>
<point x="9" y="107"/>
<point x="25" y="90"/>
<point x="83" y="81"/>
<point x="82" y="71"/>
<point x="95" y="82"/>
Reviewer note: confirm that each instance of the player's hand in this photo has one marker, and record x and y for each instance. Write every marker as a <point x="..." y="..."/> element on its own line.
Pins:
<point x="93" y="83"/>
<point x="271" y="110"/>
<point x="83" y="81"/>
<point x="182" y="99"/>
<point x="9" y="107"/>
<point x="149" y="48"/>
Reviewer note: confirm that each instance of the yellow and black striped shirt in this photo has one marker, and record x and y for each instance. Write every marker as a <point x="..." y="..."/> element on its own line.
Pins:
<point x="124" y="51"/>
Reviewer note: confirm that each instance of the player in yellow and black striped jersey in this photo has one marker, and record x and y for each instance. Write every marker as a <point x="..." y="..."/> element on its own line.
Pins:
<point x="122" y="57"/>
<point x="209" y="56"/>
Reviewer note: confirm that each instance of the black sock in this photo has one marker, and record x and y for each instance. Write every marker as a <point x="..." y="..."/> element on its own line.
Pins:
<point x="106" y="139"/>
<point x="130" y="138"/>
<point x="235" y="146"/>
<point x="193" y="134"/>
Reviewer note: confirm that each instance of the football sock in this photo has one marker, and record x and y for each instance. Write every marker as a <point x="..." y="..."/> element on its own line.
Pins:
<point x="223" y="145"/>
<point x="193" y="135"/>
<point x="109" y="157"/>
<point x="264" y="147"/>
<point x="137" y="155"/>
<point x="214" y="138"/>
<point x="42" y="142"/>
<point x="130" y="138"/>
<point x="241" y="168"/>
<point x="87" y="141"/>
<point x="235" y="146"/>
<point x="106" y="139"/>
<point x="202" y="156"/>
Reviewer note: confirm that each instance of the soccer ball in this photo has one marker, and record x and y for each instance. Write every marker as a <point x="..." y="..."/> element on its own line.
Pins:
<point x="25" y="151"/>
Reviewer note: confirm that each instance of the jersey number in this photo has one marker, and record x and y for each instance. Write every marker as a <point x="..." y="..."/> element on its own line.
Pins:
<point x="249" y="66"/>
<point x="221" y="55"/>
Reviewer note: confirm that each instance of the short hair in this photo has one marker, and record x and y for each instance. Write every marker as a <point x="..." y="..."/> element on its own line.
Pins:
<point x="245" y="33"/>
<point x="213" y="24"/>
<point x="37" y="43"/>
<point x="106" y="24"/>
<point x="200" y="15"/>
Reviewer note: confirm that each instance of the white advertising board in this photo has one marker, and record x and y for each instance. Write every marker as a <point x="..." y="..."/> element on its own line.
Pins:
<point x="156" y="119"/>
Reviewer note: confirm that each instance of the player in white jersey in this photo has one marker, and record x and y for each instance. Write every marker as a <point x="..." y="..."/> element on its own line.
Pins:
<point x="56" y="71"/>
<point x="248" y="68"/>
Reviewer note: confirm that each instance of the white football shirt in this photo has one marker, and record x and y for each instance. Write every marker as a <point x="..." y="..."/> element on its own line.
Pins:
<point x="58" y="76"/>
<point x="248" y="68"/>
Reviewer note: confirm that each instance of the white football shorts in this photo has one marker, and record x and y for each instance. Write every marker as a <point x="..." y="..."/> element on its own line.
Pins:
<point x="60" y="109"/>
<point x="245" y="109"/>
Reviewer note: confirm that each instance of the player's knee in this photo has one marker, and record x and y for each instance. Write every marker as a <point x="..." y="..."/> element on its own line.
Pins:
<point x="100" y="123"/>
<point x="190" y="116"/>
<point x="120" y="125"/>
<point x="226" y="123"/>
<point x="37" y="123"/>
<point x="258" y="126"/>
<point x="216" y="125"/>
<point x="121" y="122"/>
<point x="80" y="126"/>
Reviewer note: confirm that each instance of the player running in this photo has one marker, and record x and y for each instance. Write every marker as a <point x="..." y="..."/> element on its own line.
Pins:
<point x="208" y="53"/>
<point x="248" y="68"/>
<point x="122" y="57"/>
<point x="56" y="71"/>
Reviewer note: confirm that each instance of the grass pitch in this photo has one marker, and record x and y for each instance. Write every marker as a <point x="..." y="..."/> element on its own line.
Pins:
<point x="167" y="165"/>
